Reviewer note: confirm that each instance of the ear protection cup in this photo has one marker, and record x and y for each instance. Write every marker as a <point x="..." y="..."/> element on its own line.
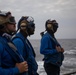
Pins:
<point x="22" y="20"/>
<point x="23" y="26"/>
<point x="50" y="27"/>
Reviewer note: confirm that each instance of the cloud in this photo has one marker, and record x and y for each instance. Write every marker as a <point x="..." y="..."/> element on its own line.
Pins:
<point x="64" y="11"/>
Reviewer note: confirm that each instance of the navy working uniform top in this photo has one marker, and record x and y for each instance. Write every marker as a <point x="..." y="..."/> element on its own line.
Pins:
<point x="27" y="51"/>
<point x="7" y="64"/>
<point x="51" y="55"/>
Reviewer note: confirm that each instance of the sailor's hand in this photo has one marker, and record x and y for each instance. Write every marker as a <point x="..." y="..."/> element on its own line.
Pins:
<point x="23" y="66"/>
<point x="58" y="48"/>
<point x="62" y="49"/>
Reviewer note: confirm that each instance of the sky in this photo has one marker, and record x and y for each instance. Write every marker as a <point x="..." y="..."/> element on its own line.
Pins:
<point x="63" y="11"/>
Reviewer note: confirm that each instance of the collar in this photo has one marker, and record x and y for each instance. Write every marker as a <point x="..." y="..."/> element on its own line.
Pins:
<point x="7" y="35"/>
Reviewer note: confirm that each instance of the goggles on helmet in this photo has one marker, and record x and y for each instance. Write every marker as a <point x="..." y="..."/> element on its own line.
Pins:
<point x="30" y="19"/>
<point x="11" y="20"/>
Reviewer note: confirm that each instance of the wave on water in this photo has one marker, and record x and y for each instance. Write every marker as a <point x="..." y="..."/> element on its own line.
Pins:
<point x="41" y="70"/>
<point x="70" y="52"/>
<point x="69" y="63"/>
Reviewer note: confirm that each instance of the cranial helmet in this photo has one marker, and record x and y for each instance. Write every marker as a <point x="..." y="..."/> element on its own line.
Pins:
<point x="26" y="21"/>
<point x="51" y="25"/>
<point x="26" y="24"/>
<point x="6" y="17"/>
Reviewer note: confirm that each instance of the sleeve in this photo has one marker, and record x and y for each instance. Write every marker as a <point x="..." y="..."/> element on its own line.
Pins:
<point x="4" y="71"/>
<point x="44" y="48"/>
<point x="9" y="71"/>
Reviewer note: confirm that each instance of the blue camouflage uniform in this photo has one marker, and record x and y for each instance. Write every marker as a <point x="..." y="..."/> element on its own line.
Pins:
<point x="51" y="55"/>
<point x="26" y="50"/>
<point x="7" y="64"/>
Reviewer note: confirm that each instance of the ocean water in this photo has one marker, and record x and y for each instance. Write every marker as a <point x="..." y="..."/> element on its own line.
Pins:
<point x="69" y="63"/>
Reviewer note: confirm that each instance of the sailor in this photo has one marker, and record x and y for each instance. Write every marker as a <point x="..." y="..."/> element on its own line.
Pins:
<point x="51" y="49"/>
<point x="26" y="27"/>
<point x="9" y="65"/>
